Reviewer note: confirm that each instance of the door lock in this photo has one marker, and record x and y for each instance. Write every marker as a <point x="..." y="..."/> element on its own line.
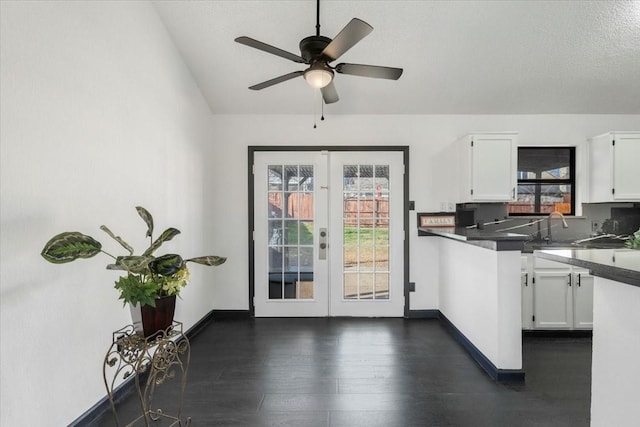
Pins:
<point x="322" y="252"/>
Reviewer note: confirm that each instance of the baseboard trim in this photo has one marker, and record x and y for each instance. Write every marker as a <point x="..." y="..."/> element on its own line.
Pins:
<point x="559" y="333"/>
<point x="500" y="375"/>
<point x="200" y="325"/>
<point x="424" y="314"/>
<point x="231" y="314"/>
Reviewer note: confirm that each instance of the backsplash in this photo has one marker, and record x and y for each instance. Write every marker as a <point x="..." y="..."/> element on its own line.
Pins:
<point x="597" y="218"/>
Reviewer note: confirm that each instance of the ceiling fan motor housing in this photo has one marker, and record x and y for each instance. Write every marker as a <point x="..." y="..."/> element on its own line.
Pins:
<point x="311" y="47"/>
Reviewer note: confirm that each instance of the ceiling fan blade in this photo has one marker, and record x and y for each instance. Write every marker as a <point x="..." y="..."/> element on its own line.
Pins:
<point x="374" y="71"/>
<point x="351" y="34"/>
<point x="276" y="80"/>
<point x="329" y="94"/>
<point x="248" y="41"/>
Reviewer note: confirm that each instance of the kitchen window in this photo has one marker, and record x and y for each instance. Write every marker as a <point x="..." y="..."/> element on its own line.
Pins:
<point x="546" y="181"/>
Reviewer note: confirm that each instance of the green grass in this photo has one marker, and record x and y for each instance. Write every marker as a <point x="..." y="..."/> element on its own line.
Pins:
<point x="366" y="235"/>
<point x="350" y="235"/>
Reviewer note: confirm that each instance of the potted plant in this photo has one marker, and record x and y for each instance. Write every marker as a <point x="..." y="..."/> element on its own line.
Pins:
<point x="634" y="240"/>
<point x="150" y="284"/>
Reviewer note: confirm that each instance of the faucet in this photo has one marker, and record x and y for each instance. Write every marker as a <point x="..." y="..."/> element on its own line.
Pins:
<point x="564" y="224"/>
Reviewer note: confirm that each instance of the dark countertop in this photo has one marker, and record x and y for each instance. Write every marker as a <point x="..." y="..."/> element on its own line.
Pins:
<point x="493" y="240"/>
<point x="620" y="265"/>
<point x="534" y="245"/>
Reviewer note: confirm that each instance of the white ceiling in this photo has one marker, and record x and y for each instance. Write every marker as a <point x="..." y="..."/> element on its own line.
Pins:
<point x="459" y="57"/>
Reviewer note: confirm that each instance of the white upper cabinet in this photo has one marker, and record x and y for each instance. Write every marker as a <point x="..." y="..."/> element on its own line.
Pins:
<point x="488" y="167"/>
<point x="614" y="167"/>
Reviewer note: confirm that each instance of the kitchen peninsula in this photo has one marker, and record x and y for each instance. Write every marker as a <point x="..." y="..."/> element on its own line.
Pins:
<point x="615" y="371"/>
<point x="478" y="299"/>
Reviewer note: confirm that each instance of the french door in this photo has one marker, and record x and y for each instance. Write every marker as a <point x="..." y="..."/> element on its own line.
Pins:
<point x="328" y="233"/>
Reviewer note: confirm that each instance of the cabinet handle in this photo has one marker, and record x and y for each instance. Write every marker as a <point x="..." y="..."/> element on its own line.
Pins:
<point x="526" y="279"/>
<point x="513" y="193"/>
<point x="579" y="284"/>
<point x="569" y="279"/>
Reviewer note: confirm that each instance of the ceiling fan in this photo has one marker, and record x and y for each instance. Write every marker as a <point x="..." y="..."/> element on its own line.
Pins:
<point x="317" y="52"/>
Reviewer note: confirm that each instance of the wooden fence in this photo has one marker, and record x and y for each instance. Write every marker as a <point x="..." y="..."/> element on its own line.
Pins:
<point x="368" y="210"/>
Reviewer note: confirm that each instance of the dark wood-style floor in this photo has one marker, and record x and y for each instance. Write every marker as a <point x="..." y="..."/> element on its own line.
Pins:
<point x="370" y="372"/>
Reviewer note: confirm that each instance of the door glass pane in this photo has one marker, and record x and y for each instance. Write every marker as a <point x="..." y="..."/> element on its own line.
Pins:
<point x="382" y="258"/>
<point x="291" y="234"/>
<point x="365" y="222"/>
<point x="382" y="285"/>
<point x="350" y="286"/>
<point x="305" y="262"/>
<point x="306" y="233"/>
<point x="366" y="286"/>
<point x="350" y="258"/>
<point x="275" y="233"/>
<point x="365" y="259"/>
<point x="290" y="238"/>
<point x="275" y="178"/>
<point x="275" y="205"/>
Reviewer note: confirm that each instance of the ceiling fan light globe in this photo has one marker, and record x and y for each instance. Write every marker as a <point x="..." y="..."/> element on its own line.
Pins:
<point x="318" y="77"/>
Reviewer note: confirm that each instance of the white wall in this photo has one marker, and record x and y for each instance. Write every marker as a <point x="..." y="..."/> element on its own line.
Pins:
<point x="427" y="137"/>
<point x="98" y="115"/>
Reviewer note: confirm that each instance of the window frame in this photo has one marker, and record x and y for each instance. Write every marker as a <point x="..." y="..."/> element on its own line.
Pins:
<point x="542" y="181"/>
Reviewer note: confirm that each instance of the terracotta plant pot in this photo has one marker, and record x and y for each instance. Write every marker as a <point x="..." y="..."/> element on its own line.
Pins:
<point x="149" y="320"/>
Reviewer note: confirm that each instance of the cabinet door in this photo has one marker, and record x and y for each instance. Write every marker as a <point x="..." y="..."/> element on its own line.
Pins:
<point x="626" y="173"/>
<point x="527" y="300"/>
<point x="493" y="168"/>
<point x="582" y="300"/>
<point x="552" y="300"/>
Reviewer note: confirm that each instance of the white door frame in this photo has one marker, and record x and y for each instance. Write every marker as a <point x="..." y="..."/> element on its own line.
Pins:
<point x="251" y="201"/>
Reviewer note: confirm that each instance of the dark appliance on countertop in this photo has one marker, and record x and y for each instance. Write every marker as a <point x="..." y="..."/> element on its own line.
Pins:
<point x="465" y="216"/>
<point x="468" y="214"/>
<point x="623" y="221"/>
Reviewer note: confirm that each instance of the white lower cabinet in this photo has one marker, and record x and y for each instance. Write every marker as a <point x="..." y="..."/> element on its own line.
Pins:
<point x="527" y="293"/>
<point x="582" y="299"/>
<point x="556" y="296"/>
<point x="552" y="299"/>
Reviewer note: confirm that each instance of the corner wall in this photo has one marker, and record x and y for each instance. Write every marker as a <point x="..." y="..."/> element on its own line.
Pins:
<point x="98" y="115"/>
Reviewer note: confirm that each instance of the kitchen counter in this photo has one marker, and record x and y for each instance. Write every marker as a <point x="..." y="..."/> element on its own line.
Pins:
<point x="620" y="265"/>
<point x="493" y="240"/>
<point x="477" y="270"/>
<point x="537" y="245"/>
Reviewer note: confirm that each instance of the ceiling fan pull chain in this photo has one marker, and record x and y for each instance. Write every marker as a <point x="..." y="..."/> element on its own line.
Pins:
<point x="322" y="115"/>
<point x="315" y="98"/>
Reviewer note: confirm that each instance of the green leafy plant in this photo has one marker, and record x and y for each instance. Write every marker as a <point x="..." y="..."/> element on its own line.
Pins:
<point x="634" y="241"/>
<point x="147" y="277"/>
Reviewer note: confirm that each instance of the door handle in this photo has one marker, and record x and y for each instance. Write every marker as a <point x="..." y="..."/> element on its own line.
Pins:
<point x="322" y="240"/>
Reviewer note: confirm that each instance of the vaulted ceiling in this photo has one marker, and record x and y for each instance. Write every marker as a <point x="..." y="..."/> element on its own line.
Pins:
<point x="459" y="57"/>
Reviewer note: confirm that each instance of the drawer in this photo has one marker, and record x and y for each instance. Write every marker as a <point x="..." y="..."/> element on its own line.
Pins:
<point x="545" y="263"/>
